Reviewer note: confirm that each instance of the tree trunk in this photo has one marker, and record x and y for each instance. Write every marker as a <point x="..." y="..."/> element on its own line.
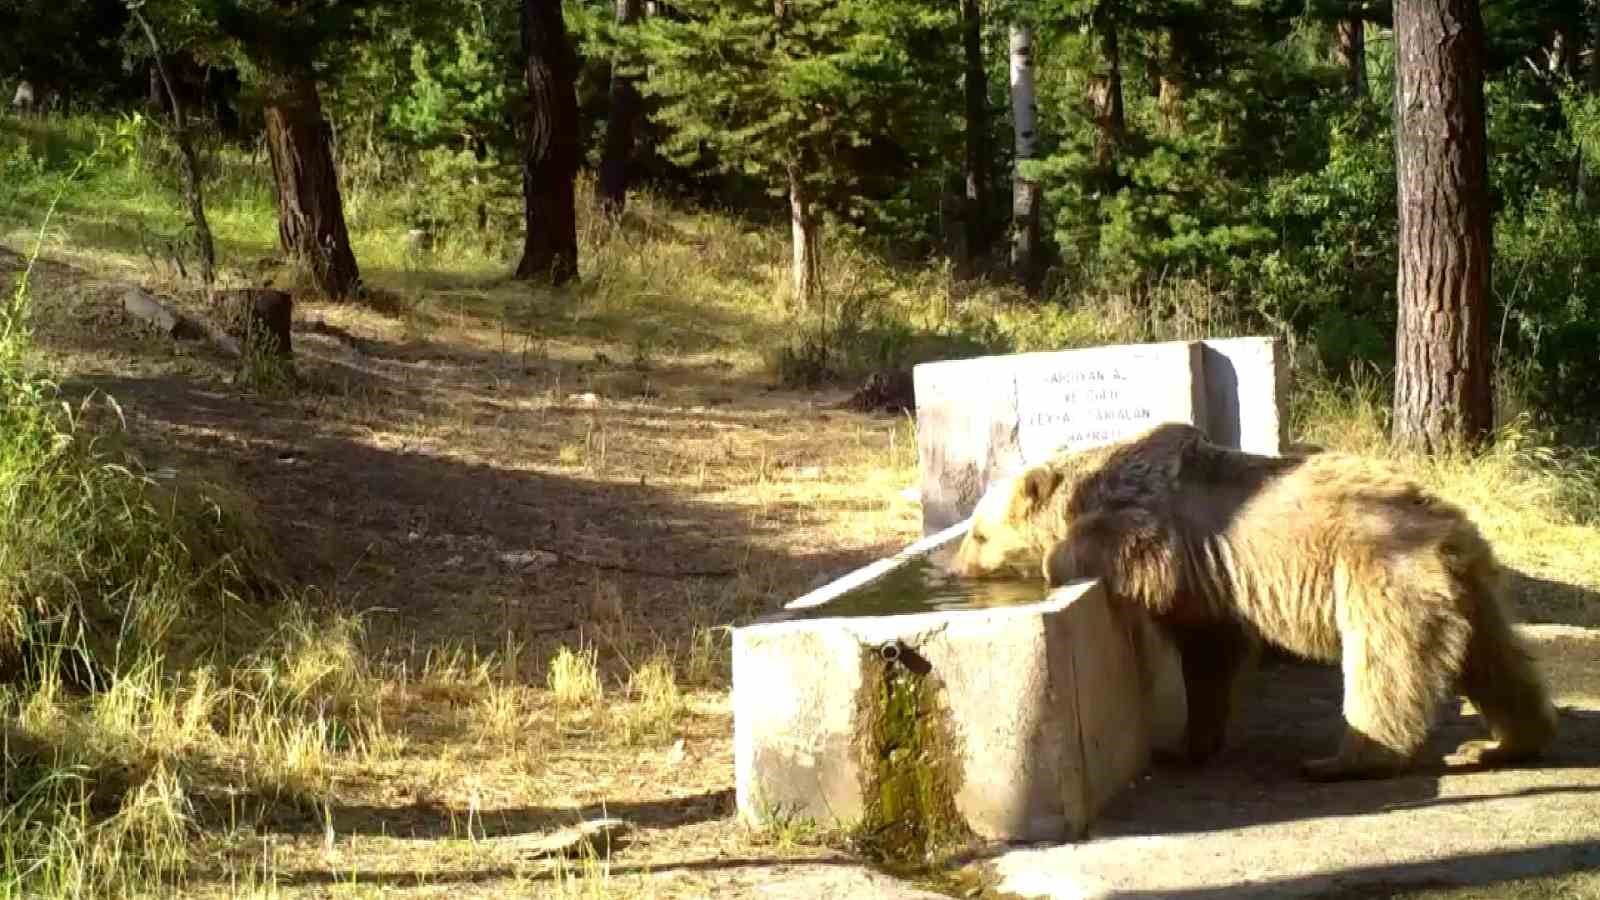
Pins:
<point x="1443" y="378"/>
<point x="613" y="183"/>
<point x="1588" y="194"/>
<point x="1170" y="85"/>
<point x="154" y="102"/>
<point x="1024" y="191"/>
<point x="1350" y="51"/>
<point x="1563" y="56"/>
<point x="550" y="161"/>
<point x="803" y="227"/>
<point x="260" y="319"/>
<point x="1105" y="93"/>
<point x="975" y="82"/>
<point x="802" y="216"/>
<point x="193" y="196"/>
<point x="310" y="210"/>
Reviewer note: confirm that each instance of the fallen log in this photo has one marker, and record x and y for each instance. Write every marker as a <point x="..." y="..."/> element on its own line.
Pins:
<point x="141" y="305"/>
<point x="249" y="316"/>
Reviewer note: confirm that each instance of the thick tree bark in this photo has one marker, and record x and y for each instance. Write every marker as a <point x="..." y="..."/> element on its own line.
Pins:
<point x="614" y="161"/>
<point x="1105" y="92"/>
<point x="1350" y="51"/>
<point x="260" y="319"/>
<point x="311" y="223"/>
<point x="976" y="85"/>
<point x="550" y="160"/>
<point x="803" y="228"/>
<point x="1025" y="191"/>
<point x="193" y="195"/>
<point x="1443" y="380"/>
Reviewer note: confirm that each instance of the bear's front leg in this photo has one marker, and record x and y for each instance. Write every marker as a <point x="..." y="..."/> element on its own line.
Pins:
<point x="1215" y="658"/>
<point x="1397" y="670"/>
<point x="1359" y="757"/>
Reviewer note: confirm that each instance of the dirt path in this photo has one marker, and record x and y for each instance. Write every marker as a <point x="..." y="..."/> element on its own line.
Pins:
<point x="1248" y="827"/>
<point x="464" y="497"/>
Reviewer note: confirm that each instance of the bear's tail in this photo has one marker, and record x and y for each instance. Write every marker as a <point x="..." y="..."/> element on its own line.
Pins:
<point x="1502" y="680"/>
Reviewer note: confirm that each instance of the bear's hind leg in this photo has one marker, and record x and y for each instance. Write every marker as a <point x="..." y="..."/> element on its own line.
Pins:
<point x="1399" y="660"/>
<point x="1501" y="680"/>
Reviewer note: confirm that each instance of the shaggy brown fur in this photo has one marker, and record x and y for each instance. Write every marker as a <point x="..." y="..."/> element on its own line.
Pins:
<point x="1331" y="557"/>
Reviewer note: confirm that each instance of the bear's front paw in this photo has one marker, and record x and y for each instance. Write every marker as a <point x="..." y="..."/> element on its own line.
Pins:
<point x="1489" y="754"/>
<point x="1475" y="753"/>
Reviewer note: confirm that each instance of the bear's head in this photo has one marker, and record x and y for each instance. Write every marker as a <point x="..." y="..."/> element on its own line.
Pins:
<point x="1011" y="525"/>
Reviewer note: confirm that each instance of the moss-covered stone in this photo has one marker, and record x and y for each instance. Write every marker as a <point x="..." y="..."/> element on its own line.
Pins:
<point x="910" y="766"/>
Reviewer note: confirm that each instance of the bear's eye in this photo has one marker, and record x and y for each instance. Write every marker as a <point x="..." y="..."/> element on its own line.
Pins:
<point x="978" y="538"/>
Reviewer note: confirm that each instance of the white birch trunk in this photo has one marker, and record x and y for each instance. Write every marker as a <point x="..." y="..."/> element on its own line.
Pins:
<point x="1024" y="191"/>
<point x="803" y="227"/>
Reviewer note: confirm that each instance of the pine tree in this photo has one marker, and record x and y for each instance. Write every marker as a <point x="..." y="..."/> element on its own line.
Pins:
<point x="621" y="117"/>
<point x="550" y="248"/>
<point x="283" y="47"/>
<point x="975" y="92"/>
<point x="792" y="95"/>
<point x="1443" y="380"/>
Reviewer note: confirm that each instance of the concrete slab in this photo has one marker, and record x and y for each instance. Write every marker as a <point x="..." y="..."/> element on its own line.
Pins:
<point x="1247" y="393"/>
<point x="984" y="417"/>
<point x="980" y="418"/>
<point x="1050" y="707"/>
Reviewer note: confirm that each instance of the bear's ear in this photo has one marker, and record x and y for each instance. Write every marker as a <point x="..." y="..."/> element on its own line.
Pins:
<point x="1038" y="484"/>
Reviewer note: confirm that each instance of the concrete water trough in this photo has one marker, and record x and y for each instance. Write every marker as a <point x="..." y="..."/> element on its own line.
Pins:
<point x="901" y="702"/>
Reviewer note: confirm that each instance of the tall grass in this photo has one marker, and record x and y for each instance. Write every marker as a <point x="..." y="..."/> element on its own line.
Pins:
<point x="146" y="644"/>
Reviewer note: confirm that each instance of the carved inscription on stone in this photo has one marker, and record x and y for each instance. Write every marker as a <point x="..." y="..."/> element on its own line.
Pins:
<point x="1090" y="397"/>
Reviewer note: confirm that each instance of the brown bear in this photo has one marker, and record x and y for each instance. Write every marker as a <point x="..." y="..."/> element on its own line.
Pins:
<point x="1328" y="556"/>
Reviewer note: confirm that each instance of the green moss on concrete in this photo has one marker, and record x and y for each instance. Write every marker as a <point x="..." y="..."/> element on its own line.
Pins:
<point x="910" y="767"/>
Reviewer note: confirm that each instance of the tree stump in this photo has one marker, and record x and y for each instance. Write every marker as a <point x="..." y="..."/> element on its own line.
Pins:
<point x="142" y="305"/>
<point x="258" y="318"/>
<point x="889" y="390"/>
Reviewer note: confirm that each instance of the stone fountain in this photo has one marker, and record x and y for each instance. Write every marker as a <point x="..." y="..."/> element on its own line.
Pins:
<point x="907" y="705"/>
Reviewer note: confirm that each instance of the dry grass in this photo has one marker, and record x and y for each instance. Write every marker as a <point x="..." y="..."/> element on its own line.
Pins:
<point x="527" y="515"/>
<point x="1539" y="507"/>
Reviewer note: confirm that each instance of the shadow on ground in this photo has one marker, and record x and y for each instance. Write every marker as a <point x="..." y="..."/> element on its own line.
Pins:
<point x="1540" y="600"/>
<point x="1247" y="825"/>
<point x="1290" y="713"/>
<point x="425" y="534"/>
<point x="432" y="821"/>
<point x="1466" y="870"/>
<point x="573" y="872"/>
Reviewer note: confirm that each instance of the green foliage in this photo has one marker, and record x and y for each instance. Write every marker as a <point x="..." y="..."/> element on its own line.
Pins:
<point x="273" y="36"/>
<point x="117" y="594"/>
<point x="62" y="45"/>
<point x="839" y="91"/>
<point x="457" y="108"/>
<point x="1264" y="195"/>
<point x="458" y="92"/>
<point x="1277" y="190"/>
<point x="1180" y="198"/>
